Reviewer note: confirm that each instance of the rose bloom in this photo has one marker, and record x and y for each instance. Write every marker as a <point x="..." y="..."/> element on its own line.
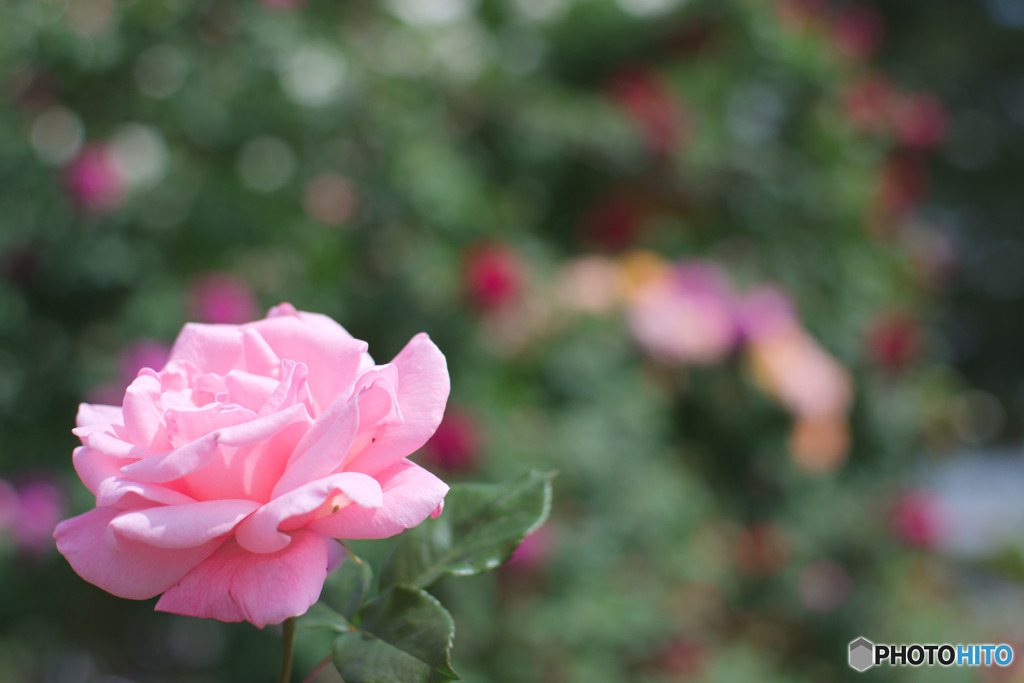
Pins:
<point x="95" y="179"/>
<point x="223" y="478"/>
<point x="789" y="364"/>
<point x="687" y="316"/>
<point x="495" y="275"/>
<point x="802" y="375"/>
<point x="221" y="298"/>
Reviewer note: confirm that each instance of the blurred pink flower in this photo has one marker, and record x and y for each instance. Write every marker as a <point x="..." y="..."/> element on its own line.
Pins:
<point x="613" y="223"/>
<point x="590" y="284"/>
<point x="648" y="100"/>
<point x="40" y="507"/>
<point x="142" y="353"/>
<point x="95" y="179"/>
<point x="494" y="275"/>
<point x="455" y="446"/>
<point x="222" y="298"/>
<point x="766" y="311"/>
<point x="868" y="103"/>
<point x="894" y="340"/>
<point x="682" y="658"/>
<point x="917" y="519"/>
<point x="29" y="512"/>
<point x="807" y="380"/>
<point x="920" y="120"/>
<point x="858" y="31"/>
<point x="801" y="15"/>
<point x="688" y="315"/>
<point x="904" y="182"/>
<point x="534" y="551"/>
<point x="788" y="363"/>
<point x="820" y="444"/>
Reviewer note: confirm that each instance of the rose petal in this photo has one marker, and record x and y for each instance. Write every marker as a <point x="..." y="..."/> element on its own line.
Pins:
<point x="259" y="357"/>
<point x="174" y="463"/>
<point x="134" y="570"/>
<point x="182" y="526"/>
<point x="249" y="390"/>
<point x="330" y="352"/>
<point x="322" y="449"/>
<point x="423" y="388"/>
<point x="292" y="389"/>
<point x="114" y="447"/>
<point x="378" y="405"/>
<point x="102" y="475"/>
<point x="259" y="532"/>
<point x="210" y="348"/>
<point x="187" y="425"/>
<point x="191" y="457"/>
<point x="236" y="585"/>
<point x="144" y="414"/>
<point x="410" y="494"/>
<point x="90" y="414"/>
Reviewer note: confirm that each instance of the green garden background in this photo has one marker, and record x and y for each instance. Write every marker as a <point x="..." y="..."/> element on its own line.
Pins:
<point x="748" y="274"/>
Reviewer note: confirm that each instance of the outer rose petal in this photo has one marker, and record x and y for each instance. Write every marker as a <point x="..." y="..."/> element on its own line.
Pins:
<point x="259" y="533"/>
<point x="101" y="474"/>
<point x="214" y="348"/>
<point x="182" y="526"/>
<point x="91" y="414"/>
<point x="134" y="570"/>
<point x="423" y="387"/>
<point x="236" y="585"/>
<point x="411" y="493"/>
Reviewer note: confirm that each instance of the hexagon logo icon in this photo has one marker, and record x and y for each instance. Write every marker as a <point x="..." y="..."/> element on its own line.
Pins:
<point x="862" y="654"/>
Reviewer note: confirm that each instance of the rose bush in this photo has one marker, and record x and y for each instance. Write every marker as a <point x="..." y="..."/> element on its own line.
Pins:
<point x="222" y="479"/>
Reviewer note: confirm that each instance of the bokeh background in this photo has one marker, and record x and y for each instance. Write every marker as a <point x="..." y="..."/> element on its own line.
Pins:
<point x="747" y="273"/>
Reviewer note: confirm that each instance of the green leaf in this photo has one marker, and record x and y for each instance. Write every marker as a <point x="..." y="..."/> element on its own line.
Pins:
<point x="346" y="588"/>
<point x="480" y="528"/>
<point x="404" y="636"/>
<point x="322" y="617"/>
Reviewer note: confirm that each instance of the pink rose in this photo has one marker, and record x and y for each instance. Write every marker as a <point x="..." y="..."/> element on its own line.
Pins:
<point x="920" y="120"/>
<point x="95" y="179"/>
<point x="29" y="512"/>
<point x="455" y="446"/>
<point x="689" y="316"/>
<point x="858" y="31"/>
<point x="41" y="504"/>
<point x="808" y="381"/>
<point x="221" y="298"/>
<point x="223" y="478"/>
<point x="649" y="102"/>
<point x="917" y="519"/>
<point x="790" y="364"/>
<point x="494" y="275"/>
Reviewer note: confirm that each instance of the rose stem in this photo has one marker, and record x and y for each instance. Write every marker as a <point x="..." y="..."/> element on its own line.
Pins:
<point x="319" y="667"/>
<point x="287" y="651"/>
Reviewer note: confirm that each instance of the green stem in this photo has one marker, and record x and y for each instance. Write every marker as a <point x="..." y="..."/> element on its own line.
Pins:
<point x="319" y="667"/>
<point x="287" y="651"/>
